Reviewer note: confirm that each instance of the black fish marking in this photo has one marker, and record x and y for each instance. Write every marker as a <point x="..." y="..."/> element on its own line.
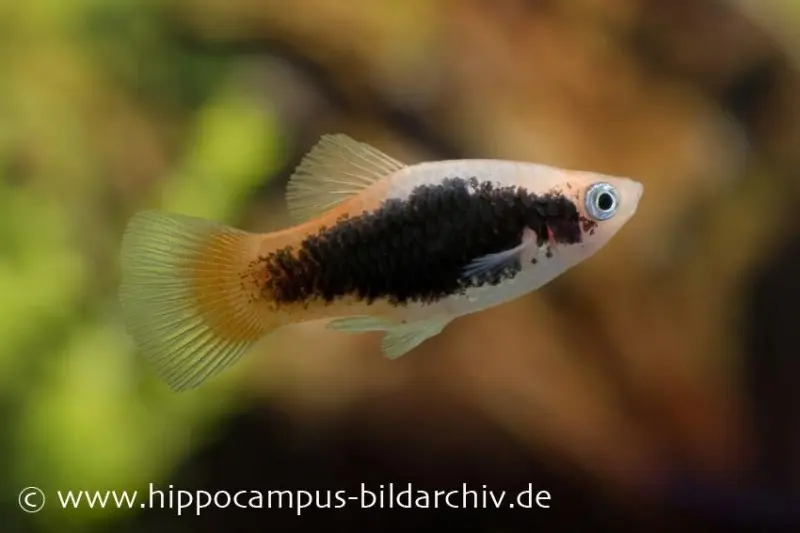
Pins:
<point x="414" y="250"/>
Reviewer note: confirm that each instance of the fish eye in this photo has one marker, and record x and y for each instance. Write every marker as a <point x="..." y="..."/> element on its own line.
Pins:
<point x="601" y="201"/>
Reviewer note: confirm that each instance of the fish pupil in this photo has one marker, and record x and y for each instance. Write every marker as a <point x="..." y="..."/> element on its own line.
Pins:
<point x="605" y="201"/>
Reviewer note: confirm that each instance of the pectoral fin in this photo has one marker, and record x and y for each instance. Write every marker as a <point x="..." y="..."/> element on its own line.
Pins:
<point x="493" y="264"/>
<point x="398" y="339"/>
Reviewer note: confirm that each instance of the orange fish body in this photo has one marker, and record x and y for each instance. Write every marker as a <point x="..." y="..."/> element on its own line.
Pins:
<point x="379" y="246"/>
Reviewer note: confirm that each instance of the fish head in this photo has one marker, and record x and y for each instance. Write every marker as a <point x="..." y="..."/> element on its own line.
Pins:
<point x="599" y="206"/>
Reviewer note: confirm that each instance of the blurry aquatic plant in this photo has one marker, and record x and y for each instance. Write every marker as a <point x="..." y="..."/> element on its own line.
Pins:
<point x="87" y="423"/>
<point x="79" y="410"/>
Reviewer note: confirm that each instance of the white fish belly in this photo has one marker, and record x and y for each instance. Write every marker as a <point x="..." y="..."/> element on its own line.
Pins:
<point x="477" y="299"/>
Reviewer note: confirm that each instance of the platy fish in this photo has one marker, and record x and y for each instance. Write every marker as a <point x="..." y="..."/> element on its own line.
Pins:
<point x="378" y="246"/>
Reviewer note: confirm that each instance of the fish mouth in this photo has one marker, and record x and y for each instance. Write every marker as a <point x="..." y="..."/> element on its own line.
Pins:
<point x="638" y="191"/>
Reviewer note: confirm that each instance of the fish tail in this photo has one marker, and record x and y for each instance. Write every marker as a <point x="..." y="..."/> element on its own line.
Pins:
<point x="191" y="295"/>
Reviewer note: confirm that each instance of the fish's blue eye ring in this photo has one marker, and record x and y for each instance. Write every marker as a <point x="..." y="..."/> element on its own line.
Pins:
<point x="601" y="201"/>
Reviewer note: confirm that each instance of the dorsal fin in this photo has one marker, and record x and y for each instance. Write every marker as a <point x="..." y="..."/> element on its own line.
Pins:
<point x="336" y="168"/>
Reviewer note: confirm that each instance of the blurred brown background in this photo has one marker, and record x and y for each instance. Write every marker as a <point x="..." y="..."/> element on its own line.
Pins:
<point x="652" y="388"/>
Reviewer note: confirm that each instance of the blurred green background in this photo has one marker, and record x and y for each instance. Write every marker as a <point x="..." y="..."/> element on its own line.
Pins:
<point x="633" y="366"/>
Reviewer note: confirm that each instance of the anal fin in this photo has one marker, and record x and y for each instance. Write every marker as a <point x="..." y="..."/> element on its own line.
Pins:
<point x="402" y="339"/>
<point x="398" y="339"/>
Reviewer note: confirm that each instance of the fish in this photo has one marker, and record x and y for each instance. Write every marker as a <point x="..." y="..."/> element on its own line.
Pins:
<point x="376" y="245"/>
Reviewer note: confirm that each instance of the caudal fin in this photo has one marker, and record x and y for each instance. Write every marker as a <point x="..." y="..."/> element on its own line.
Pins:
<point x="189" y="296"/>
